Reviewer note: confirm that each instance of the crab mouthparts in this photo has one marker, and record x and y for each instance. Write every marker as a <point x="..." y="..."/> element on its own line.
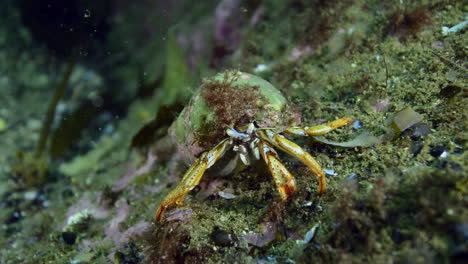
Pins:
<point x="245" y="143"/>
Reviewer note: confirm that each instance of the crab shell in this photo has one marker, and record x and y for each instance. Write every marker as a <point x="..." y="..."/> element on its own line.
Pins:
<point x="229" y="99"/>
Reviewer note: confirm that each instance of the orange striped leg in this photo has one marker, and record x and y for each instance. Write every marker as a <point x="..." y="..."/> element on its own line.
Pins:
<point x="317" y="130"/>
<point x="296" y="151"/>
<point x="283" y="178"/>
<point x="192" y="177"/>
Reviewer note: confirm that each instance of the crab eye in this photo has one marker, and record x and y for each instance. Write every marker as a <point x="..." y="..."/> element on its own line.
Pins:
<point x="255" y="124"/>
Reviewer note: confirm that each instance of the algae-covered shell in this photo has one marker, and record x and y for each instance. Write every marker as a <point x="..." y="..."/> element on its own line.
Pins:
<point x="229" y="99"/>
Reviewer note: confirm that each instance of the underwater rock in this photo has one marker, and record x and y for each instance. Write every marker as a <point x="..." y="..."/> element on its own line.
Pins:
<point x="180" y="215"/>
<point x="450" y="91"/>
<point x="223" y="238"/>
<point x="261" y="240"/>
<point x="420" y="130"/>
<point x="69" y="237"/>
<point x="405" y="119"/>
<point x="129" y="255"/>
<point x="449" y="164"/>
<point x="227" y="194"/>
<point x="14" y="217"/>
<point x="300" y="52"/>
<point x="357" y="124"/>
<point x="351" y="177"/>
<point x="167" y="243"/>
<point x="437" y="151"/>
<point x="416" y="148"/>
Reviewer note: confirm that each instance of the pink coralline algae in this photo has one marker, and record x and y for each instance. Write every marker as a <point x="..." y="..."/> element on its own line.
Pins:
<point x="84" y="206"/>
<point x="227" y="32"/>
<point x="132" y="173"/>
<point x="112" y="229"/>
<point x="300" y="52"/>
<point x="259" y="239"/>
<point x="180" y="215"/>
<point x="381" y="105"/>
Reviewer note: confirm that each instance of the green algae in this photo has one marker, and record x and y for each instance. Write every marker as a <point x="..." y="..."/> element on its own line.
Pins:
<point x="177" y="78"/>
<point x="384" y="203"/>
<point x="385" y="220"/>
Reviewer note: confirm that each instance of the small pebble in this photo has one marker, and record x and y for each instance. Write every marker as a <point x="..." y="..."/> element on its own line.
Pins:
<point x="30" y="195"/>
<point x="14" y="217"/>
<point x="462" y="229"/>
<point x="261" y="68"/>
<point x="357" y="124"/>
<point x="438" y="44"/>
<point x="223" y="238"/>
<point x="226" y="195"/>
<point x="449" y="164"/>
<point x="351" y="177"/>
<point x="405" y="119"/>
<point x="416" y="148"/>
<point x="437" y="151"/>
<point x="69" y="237"/>
<point x="420" y="130"/>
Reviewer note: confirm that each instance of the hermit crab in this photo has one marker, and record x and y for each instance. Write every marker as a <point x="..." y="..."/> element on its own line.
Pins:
<point x="244" y="115"/>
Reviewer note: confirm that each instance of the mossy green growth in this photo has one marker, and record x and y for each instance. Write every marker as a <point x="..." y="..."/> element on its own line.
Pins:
<point x="382" y="216"/>
<point x="3" y="125"/>
<point x="30" y="170"/>
<point x="176" y="83"/>
<point x="199" y="112"/>
<point x="385" y="220"/>
<point x="271" y="96"/>
<point x="229" y="99"/>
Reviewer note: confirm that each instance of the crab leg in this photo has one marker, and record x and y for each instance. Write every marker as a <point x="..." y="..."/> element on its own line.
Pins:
<point x="294" y="150"/>
<point x="283" y="178"/>
<point x="317" y="130"/>
<point x="193" y="176"/>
